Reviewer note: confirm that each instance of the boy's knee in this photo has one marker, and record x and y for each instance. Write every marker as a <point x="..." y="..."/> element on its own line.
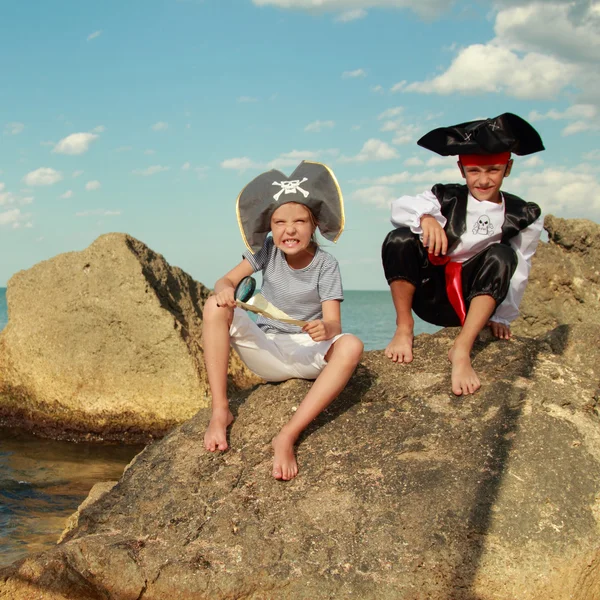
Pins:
<point x="503" y="253"/>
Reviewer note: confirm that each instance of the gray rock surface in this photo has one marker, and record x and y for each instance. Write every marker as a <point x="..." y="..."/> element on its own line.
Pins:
<point x="105" y="343"/>
<point x="404" y="492"/>
<point x="564" y="286"/>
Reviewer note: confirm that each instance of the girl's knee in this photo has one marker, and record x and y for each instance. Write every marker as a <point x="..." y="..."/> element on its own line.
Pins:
<point x="213" y="312"/>
<point x="350" y="347"/>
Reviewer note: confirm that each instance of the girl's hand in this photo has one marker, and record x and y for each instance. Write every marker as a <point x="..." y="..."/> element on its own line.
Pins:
<point x="320" y="330"/>
<point x="226" y="297"/>
<point x="499" y="330"/>
<point x="434" y="236"/>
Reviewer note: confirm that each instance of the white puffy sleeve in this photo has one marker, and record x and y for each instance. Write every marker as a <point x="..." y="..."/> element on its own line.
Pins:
<point x="524" y="244"/>
<point x="408" y="210"/>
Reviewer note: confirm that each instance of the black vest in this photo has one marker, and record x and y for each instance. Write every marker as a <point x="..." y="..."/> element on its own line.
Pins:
<point x="518" y="214"/>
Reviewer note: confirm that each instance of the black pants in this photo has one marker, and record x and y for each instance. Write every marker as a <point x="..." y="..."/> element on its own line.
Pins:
<point x="487" y="273"/>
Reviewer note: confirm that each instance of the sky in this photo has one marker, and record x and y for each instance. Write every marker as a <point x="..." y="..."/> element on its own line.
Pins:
<point x="148" y="117"/>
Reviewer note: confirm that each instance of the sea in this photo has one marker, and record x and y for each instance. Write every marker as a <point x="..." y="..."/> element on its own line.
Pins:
<point x="42" y="482"/>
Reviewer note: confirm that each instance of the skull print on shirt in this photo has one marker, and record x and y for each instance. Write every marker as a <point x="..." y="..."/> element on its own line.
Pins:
<point x="483" y="226"/>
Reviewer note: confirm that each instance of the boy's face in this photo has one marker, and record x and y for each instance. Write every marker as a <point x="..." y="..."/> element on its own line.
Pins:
<point x="484" y="181"/>
<point x="292" y="228"/>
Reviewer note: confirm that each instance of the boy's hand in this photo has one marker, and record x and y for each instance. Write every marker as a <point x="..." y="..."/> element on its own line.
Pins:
<point x="226" y="297"/>
<point x="499" y="330"/>
<point x="434" y="236"/>
<point x="320" y="330"/>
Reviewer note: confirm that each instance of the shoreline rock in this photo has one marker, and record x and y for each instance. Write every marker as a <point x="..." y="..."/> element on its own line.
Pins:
<point x="105" y="344"/>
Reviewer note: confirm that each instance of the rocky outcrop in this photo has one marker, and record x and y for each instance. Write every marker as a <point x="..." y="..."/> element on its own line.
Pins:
<point x="564" y="286"/>
<point x="105" y="344"/>
<point x="405" y="492"/>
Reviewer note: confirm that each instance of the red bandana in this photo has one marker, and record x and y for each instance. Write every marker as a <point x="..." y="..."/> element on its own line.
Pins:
<point x="468" y="160"/>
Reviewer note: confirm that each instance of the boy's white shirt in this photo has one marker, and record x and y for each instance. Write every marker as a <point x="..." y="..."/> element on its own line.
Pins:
<point x="408" y="210"/>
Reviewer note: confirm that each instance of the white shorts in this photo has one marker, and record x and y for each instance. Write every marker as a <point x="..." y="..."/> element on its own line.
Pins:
<point x="277" y="356"/>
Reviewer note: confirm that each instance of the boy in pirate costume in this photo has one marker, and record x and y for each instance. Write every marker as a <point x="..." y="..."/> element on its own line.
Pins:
<point x="299" y="278"/>
<point x="460" y="254"/>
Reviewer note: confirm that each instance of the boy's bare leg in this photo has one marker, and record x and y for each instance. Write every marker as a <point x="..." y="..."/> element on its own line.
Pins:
<point x="464" y="378"/>
<point x="342" y="359"/>
<point x="215" y="334"/>
<point x="400" y="349"/>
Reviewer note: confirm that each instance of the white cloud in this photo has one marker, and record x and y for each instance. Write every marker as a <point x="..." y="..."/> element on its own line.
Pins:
<point x="149" y="152"/>
<point x="292" y="159"/>
<point x="317" y="126"/>
<point x="160" y="126"/>
<point x="354" y="74"/>
<point x="42" y="176"/>
<point x="378" y="195"/>
<point x="377" y="89"/>
<point x="530" y="163"/>
<point x="14" y="128"/>
<point x="414" y="161"/>
<point x="100" y="212"/>
<point x="91" y="186"/>
<point x="186" y="166"/>
<point x="76" y="174"/>
<point x="94" y="35"/>
<point x="390" y="113"/>
<point x="68" y="194"/>
<point x="153" y="170"/>
<point x="74" y="144"/>
<point x="398" y="87"/>
<point x="441" y="161"/>
<point x="240" y="164"/>
<point x="583" y="117"/>
<point x="489" y="68"/>
<point x="351" y="15"/>
<point x="26" y="200"/>
<point x="561" y="191"/>
<point x="10" y="217"/>
<point x="247" y="99"/>
<point x="373" y="150"/>
<point x="425" y="8"/>
<point x="99" y="129"/>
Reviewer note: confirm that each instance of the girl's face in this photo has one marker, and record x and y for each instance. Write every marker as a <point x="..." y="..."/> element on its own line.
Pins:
<point x="292" y="227"/>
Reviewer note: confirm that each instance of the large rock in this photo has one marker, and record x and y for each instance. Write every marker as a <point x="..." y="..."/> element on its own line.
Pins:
<point x="564" y="286"/>
<point x="105" y="343"/>
<point x="405" y="492"/>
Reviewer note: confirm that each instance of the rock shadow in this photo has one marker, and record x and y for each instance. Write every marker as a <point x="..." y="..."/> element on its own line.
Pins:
<point x="499" y="438"/>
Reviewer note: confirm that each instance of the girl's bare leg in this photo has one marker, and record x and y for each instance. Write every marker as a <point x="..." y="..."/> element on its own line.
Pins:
<point x="342" y="359"/>
<point x="400" y="349"/>
<point x="464" y="378"/>
<point x="215" y="334"/>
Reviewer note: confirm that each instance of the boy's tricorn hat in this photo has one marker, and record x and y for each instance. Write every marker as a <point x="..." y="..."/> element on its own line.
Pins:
<point x="312" y="184"/>
<point x="504" y="133"/>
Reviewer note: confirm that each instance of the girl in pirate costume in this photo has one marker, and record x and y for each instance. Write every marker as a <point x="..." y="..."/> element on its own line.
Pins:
<point x="460" y="254"/>
<point x="299" y="278"/>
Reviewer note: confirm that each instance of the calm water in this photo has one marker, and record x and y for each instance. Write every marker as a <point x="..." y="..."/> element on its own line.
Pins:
<point x="42" y="481"/>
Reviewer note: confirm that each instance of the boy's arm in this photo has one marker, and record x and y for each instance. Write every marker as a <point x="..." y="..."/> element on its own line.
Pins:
<point x="408" y="210"/>
<point x="524" y="244"/>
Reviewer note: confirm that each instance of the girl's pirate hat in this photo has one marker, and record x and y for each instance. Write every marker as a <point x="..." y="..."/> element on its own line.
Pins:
<point x="312" y="184"/>
<point x="504" y="133"/>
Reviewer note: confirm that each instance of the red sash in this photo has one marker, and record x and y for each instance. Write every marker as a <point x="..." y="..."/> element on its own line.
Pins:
<point x="453" y="273"/>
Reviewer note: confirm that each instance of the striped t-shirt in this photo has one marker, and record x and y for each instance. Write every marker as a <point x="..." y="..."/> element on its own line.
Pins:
<point x="297" y="292"/>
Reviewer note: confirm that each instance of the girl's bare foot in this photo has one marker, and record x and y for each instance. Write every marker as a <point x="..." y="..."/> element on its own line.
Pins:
<point x="400" y="348"/>
<point x="215" y="437"/>
<point x="284" y="462"/>
<point x="464" y="378"/>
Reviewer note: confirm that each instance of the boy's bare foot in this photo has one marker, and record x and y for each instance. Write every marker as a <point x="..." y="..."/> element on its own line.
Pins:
<point x="464" y="378"/>
<point x="499" y="330"/>
<point x="284" y="462"/>
<point x="215" y="437"/>
<point x="400" y="348"/>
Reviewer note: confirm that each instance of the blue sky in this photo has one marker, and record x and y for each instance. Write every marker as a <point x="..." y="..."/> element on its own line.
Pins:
<point x="148" y="117"/>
